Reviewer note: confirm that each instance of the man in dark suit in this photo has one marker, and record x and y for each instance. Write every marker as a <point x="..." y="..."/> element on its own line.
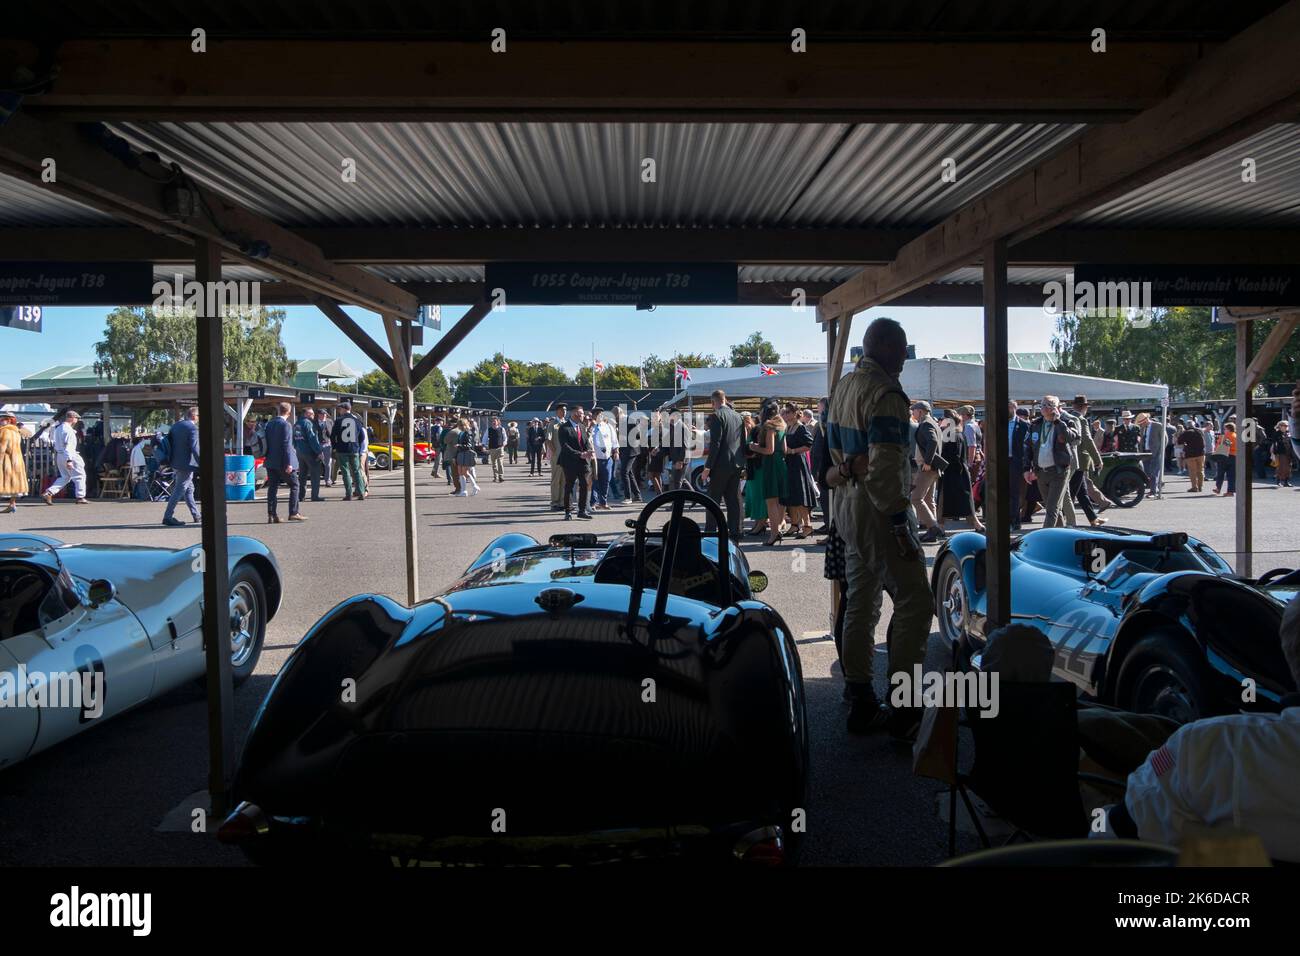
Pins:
<point x="311" y="458"/>
<point x="1018" y="431"/>
<point x="726" y="461"/>
<point x="574" y="457"/>
<point x="184" y="459"/>
<point x="281" y="465"/>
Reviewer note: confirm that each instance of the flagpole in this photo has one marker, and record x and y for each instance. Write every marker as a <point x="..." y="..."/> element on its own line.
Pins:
<point x="593" y="374"/>
<point x="504" y="363"/>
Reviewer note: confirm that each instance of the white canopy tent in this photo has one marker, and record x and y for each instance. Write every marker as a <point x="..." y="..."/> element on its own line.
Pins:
<point x="939" y="381"/>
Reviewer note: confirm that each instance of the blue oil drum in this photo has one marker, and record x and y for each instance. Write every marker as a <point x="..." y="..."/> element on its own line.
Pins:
<point x="241" y="478"/>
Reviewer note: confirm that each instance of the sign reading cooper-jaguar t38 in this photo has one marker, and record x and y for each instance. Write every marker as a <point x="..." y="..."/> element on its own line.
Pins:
<point x="613" y="283"/>
<point x="75" y="283"/>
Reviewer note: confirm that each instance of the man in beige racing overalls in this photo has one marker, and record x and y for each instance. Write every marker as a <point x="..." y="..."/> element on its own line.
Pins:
<point x="867" y="435"/>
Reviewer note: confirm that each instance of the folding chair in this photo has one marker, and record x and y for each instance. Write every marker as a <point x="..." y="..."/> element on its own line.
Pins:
<point x="113" y="482"/>
<point x="160" y="483"/>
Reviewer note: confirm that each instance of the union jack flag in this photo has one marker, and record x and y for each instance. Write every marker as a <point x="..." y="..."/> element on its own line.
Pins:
<point x="767" y="369"/>
<point x="681" y="373"/>
<point x="600" y="366"/>
<point x="505" y="366"/>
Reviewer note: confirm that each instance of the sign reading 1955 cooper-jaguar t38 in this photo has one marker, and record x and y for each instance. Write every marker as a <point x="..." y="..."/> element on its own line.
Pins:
<point x="613" y="283"/>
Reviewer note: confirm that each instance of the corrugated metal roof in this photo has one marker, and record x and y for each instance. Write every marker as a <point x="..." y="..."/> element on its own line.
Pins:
<point x="1020" y="275"/>
<point x="893" y="174"/>
<point x="26" y="204"/>
<point x="580" y="174"/>
<point x="1211" y="192"/>
<point x="501" y="174"/>
<point x="708" y="175"/>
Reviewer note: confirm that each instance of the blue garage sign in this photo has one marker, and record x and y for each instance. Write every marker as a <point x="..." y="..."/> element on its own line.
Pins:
<point x="1240" y="285"/>
<point x="26" y="317"/>
<point x="75" y="283"/>
<point x="612" y="283"/>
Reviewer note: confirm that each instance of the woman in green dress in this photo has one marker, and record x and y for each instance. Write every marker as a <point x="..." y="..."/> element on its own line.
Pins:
<point x="755" y="506"/>
<point x="769" y="445"/>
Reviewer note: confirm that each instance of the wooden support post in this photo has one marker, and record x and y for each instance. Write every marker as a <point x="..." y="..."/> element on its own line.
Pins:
<point x="1245" y="450"/>
<point x="997" y="451"/>
<point x="212" y="491"/>
<point x="403" y="362"/>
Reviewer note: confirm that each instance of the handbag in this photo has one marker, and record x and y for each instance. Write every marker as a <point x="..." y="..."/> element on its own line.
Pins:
<point x="934" y="754"/>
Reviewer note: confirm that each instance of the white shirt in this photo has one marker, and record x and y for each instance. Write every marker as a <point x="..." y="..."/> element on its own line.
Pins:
<point x="137" y="455"/>
<point x="1242" y="771"/>
<point x="1046" y="458"/>
<point x="65" y="440"/>
<point x="603" y="439"/>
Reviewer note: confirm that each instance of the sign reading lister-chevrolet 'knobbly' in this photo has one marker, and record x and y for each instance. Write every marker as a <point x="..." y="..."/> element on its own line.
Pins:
<point x="1202" y="285"/>
<point x="613" y="283"/>
<point x="74" y="283"/>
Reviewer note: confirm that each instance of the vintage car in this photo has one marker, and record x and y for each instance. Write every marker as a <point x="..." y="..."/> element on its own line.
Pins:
<point x="380" y="458"/>
<point x="580" y="701"/>
<point x="379" y="454"/>
<point x="1153" y="623"/>
<point x="129" y="614"/>
<point x="1122" y="478"/>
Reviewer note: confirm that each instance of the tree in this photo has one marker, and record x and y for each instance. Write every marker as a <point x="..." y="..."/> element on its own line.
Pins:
<point x="488" y="372"/>
<point x="753" y="350"/>
<point x="432" y="391"/>
<point x="659" y="372"/>
<point x="614" y="376"/>
<point x="1178" y="349"/>
<point x="144" y="346"/>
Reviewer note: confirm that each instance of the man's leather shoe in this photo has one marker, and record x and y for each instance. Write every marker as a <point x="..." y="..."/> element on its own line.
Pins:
<point x="867" y="714"/>
<point x="173" y="522"/>
<point x="585" y="516"/>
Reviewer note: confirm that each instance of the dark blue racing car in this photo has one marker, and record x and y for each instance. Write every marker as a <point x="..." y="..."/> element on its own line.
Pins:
<point x="578" y="701"/>
<point x="1152" y="623"/>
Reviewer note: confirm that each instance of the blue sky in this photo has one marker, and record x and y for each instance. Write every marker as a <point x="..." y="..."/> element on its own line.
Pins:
<point x="561" y="335"/>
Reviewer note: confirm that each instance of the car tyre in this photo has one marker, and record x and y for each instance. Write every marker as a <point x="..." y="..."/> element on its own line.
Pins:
<point x="381" y="461"/>
<point x="951" y="602"/>
<point x="1161" y="675"/>
<point x="248" y="615"/>
<point x="1126" y="487"/>
<point x="698" y="483"/>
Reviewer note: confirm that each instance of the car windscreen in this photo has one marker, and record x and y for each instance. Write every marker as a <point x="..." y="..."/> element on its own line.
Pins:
<point x="1162" y="562"/>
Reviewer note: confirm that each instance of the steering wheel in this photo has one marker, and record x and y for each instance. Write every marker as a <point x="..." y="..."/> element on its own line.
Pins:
<point x="1278" y="573"/>
<point x="672" y="534"/>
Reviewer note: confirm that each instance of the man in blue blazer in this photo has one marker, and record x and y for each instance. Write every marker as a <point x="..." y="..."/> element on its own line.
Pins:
<point x="281" y="465"/>
<point x="184" y="460"/>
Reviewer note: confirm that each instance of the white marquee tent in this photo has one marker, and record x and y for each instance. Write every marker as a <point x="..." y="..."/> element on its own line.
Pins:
<point x="939" y="381"/>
